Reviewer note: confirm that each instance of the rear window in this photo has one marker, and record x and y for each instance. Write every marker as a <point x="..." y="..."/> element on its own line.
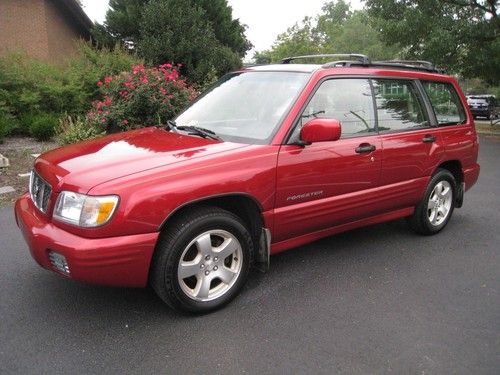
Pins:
<point x="446" y="103"/>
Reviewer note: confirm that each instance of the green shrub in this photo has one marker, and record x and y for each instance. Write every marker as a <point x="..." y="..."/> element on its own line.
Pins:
<point x="24" y="124"/>
<point x="3" y="127"/>
<point x="30" y="87"/>
<point x="73" y="130"/>
<point x="90" y="66"/>
<point x="141" y="97"/>
<point x="43" y="126"/>
<point x="7" y="124"/>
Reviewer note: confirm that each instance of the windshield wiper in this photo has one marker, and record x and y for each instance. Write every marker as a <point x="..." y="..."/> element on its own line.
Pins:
<point x="196" y="130"/>
<point x="192" y="130"/>
<point x="172" y="126"/>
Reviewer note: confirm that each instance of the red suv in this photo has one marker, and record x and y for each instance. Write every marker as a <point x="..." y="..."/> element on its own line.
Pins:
<point x="270" y="158"/>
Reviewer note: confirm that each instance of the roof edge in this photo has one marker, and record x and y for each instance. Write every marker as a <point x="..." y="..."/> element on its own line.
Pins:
<point x="78" y="13"/>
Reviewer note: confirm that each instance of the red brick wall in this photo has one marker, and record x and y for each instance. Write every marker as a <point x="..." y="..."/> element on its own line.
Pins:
<point x="41" y="28"/>
<point x="62" y="33"/>
<point x="23" y="27"/>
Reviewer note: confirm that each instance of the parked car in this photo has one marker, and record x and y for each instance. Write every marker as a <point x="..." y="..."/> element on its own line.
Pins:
<point x="270" y="158"/>
<point x="483" y="106"/>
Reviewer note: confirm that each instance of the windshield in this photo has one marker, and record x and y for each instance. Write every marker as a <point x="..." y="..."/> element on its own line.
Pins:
<point x="245" y="107"/>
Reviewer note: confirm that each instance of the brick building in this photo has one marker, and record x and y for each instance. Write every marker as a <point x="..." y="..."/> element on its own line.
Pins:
<point x="44" y="29"/>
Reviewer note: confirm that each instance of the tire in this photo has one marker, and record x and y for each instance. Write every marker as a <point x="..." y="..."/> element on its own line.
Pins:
<point x="436" y="207"/>
<point x="202" y="260"/>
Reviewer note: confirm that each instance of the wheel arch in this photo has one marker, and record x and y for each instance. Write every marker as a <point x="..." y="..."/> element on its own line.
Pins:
<point x="455" y="168"/>
<point x="243" y="205"/>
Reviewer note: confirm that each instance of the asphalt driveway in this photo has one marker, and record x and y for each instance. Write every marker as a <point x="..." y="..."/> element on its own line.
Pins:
<point x="376" y="300"/>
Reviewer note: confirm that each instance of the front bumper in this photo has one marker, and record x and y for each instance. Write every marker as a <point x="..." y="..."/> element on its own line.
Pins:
<point x="115" y="261"/>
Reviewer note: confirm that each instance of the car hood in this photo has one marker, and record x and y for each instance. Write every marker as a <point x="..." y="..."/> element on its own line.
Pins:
<point x="81" y="166"/>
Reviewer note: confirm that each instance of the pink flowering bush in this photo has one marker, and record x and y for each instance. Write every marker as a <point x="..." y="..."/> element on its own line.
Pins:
<point x="140" y="97"/>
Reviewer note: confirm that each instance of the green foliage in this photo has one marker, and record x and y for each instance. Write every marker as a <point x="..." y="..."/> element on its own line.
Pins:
<point x="8" y="123"/>
<point x="462" y="36"/>
<point x="141" y="97"/>
<point x="297" y="40"/>
<point x="262" y="58"/>
<point x="5" y="125"/>
<point x="199" y="33"/>
<point x="3" y="131"/>
<point x="476" y="86"/>
<point x="76" y="129"/>
<point x="92" y="64"/>
<point x="30" y="88"/>
<point x="123" y="19"/>
<point x="337" y="29"/>
<point x="43" y="126"/>
<point x="228" y="31"/>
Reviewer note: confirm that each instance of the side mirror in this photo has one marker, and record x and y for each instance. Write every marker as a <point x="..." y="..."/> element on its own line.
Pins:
<point x="320" y="130"/>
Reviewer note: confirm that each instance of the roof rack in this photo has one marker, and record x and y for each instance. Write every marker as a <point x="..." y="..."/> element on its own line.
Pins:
<point x="411" y="65"/>
<point x="363" y="59"/>
<point x="423" y="63"/>
<point x="356" y="59"/>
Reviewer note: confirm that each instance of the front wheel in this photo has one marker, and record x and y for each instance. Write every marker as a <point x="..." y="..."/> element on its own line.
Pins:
<point x="435" y="209"/>
<point x="202" y="260"/>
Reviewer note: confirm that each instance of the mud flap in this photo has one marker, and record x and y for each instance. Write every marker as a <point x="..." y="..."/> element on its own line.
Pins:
<point x="459" y="200"/>
<point x="263" y="256"/>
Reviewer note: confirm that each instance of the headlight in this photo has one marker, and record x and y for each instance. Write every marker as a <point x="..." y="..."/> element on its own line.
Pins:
<point x="84" y="210"/>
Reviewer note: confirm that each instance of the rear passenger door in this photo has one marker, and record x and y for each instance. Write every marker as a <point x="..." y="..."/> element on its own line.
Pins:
<point x="412" y="147"/>
<point x="455" y="128"/>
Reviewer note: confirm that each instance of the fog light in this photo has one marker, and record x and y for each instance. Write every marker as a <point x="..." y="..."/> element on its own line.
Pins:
<point x="59" y="263"/>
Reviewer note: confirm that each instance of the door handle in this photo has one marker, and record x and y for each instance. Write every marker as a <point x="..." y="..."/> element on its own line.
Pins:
<point x="429" y="138"/>
<point x="364" y="148"/>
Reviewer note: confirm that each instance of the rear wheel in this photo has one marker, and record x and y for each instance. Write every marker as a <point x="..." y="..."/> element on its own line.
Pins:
<point x="202" y="260"/>
<point x="435" y="209"/>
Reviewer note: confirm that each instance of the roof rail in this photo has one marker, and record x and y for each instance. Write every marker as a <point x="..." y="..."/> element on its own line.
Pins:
<point x="363" y="59"/>
<point x="383" y="64"/>
<point x="423" y="63"/>
<point x="410" y="64"/>
<point x="356" y="59"/>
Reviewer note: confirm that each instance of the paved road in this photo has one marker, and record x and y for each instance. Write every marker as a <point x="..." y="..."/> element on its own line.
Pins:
<point x="375" y="300"/>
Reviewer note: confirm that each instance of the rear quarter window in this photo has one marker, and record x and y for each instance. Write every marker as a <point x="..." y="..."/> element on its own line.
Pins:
<point x="399" y="107"/>
<point x="445" y="102"/>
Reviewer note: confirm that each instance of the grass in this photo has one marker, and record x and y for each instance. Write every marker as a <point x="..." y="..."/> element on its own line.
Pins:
<point x="485" y="128"/>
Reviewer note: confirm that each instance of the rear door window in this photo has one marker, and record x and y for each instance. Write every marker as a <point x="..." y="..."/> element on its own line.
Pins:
<point x="399" y="106"/>
<point x="446" y="103"/>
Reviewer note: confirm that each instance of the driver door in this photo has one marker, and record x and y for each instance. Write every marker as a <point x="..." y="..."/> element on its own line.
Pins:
<point x="330" y="183"/>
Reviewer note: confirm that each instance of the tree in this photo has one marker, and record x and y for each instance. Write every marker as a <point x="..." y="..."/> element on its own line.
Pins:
<point x="462" y="36"/>
<point x="174" y="31"/>
<point x="228" y="31"/>
<point x="300" y="39"/>
<point x="200" y="34"/>
<point x="262" y="58"/>
<point x="337" y="29"/>
<point x="122" y="22"/>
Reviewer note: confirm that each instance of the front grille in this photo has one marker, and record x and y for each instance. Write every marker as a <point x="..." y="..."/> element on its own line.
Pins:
<point x="59" y="263"/>
<point x="40" y="191"/>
